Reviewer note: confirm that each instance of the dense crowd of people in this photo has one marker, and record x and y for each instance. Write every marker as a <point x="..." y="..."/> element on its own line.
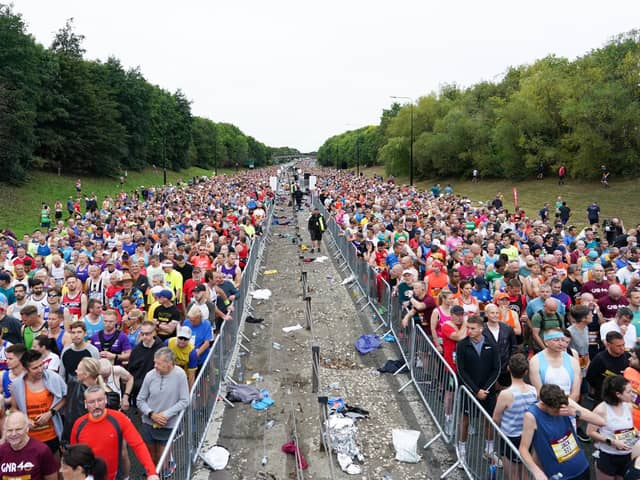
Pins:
<point x="540" y="319"/>
<point x="107" y="316"/>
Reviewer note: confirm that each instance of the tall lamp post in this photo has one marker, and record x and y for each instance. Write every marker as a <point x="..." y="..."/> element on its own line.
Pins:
<point x="410" y="138"/>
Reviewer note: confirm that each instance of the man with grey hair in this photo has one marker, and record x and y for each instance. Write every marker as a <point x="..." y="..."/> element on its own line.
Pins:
<point x="22" y="456"/>
<point x="163" y="395"/>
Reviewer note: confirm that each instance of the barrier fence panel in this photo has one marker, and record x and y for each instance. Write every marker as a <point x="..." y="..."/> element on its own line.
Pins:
<point x="204" y="396"/>
<point x="177" y="452"/>
<point x="455" y="411"/>
<point x="436" y="383"/>
<point x="401" y="334"/>
<point x="385" y="304"/>
<point x="488" y="453"/>
<point x="190" y="431"/>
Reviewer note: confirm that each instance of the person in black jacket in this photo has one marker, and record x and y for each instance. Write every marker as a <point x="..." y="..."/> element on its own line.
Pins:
<point x="505" y="338"/>
<point x="478" y="362"/>
<point x="316" y="227"/>
<point x="141" y="359"/>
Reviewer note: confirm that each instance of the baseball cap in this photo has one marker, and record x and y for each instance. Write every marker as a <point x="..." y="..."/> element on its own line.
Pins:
<point x="410" y="271"/>
<point x="110" y="262"/>
<point x="167" y="263"/>
<point x="501" y="295"/>
<point x="200" y="288"/>
<point x="125" y="277"/>
<point x="457" y="310"/>
<point x="436" y="264"/>
<point x="156" y="290"/>
<point x="184" y="332"/>
<point x="165" y="293"/>
<point x="435" y="243"/>
<point x="593" y="254"/>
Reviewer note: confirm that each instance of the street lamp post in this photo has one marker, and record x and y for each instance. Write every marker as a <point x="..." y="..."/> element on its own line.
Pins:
<point x="410" y="137"/>
<point x="358" y="156"/>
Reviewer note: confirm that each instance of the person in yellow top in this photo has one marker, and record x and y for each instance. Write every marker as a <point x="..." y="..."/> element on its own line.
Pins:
<point x="510" y="250"/>
<point x="184" y="350"/>
<point x="173" y="279"/>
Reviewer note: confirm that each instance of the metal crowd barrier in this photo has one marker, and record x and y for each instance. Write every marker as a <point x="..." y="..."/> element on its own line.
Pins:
<point x="486" y="445"/>
<point x="186" y="439"/>
<point x="436" y="383"/>
<point x="402" y="334"/>
<point x="447" y="402"/>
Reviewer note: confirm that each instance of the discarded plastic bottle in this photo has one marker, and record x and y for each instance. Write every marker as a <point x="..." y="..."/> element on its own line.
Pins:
<point x="557" y="476"/>
<point x="269" y="425"/>
<point x="277" y="346"/>
<point x="264" y="460"/>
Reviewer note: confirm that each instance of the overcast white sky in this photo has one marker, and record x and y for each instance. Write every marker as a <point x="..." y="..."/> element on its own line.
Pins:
<point x="294" y="72"/>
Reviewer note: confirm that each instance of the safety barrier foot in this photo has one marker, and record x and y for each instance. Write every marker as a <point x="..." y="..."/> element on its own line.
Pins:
<point x="451" y="469"/>
<point x="428" y="444"/>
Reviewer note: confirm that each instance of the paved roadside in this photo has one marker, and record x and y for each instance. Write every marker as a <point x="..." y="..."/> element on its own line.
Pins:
<point x="286" y="373"/>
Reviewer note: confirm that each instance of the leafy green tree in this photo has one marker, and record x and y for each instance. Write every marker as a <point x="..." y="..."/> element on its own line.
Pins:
<point x="20" y="88"/>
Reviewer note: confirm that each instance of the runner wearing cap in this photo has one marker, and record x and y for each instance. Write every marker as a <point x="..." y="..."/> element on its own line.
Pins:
<point x="127" y="291"/>
<point x="173" y="279"/>
<point x="185" y="353"/>
<point x="166" y="315"/>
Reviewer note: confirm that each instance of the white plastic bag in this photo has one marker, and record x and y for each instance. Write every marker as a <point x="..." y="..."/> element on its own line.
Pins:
<point x="406" y="444"/>
<point x="216" y="457"/>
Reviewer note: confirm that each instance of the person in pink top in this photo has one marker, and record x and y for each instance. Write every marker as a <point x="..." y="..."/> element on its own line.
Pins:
<point x="441" y="315"/>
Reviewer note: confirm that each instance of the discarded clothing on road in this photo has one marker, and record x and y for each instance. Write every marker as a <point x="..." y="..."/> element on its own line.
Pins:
<point x="336" y="404"/>
<point x="355" y="412"/>
<point x="265" y="402"/>
<point x="392" y="366"/>
<point x="243" y="393"/>
<point x="292" y="448"/>
<point x="263" y="294"/>
<point x="367" y="343"/>
<point x="342" y="435"/>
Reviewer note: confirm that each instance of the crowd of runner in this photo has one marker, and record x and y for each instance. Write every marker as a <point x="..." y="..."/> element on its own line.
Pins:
<point x="115" y="308"/>
<point x="540" y="319"/>
<point x="107" y="315"/>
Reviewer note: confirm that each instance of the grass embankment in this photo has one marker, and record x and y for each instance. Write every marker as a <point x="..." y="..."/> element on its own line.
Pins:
<point x="621" y="200"/>
<point x="20" y="206"/>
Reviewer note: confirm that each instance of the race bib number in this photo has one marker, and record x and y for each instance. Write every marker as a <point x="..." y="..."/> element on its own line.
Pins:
<point x="626" y="436"/>
<point x="594" y="338"/>
<point x="564" y="448"/>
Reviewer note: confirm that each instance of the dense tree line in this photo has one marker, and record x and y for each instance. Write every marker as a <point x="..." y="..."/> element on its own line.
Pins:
<point x="581" y="113"/>
<point x="61" y="111"/>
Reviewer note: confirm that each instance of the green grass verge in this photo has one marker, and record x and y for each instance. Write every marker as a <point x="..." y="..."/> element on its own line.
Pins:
<point x="620" y="200"/>
<point x="20" y="209"/>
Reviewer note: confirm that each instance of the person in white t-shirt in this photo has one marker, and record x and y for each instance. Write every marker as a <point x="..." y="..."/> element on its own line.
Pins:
<point x="621" y="324"/>
<point x="47" y="347"/>
<point x="22" y="300"/>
